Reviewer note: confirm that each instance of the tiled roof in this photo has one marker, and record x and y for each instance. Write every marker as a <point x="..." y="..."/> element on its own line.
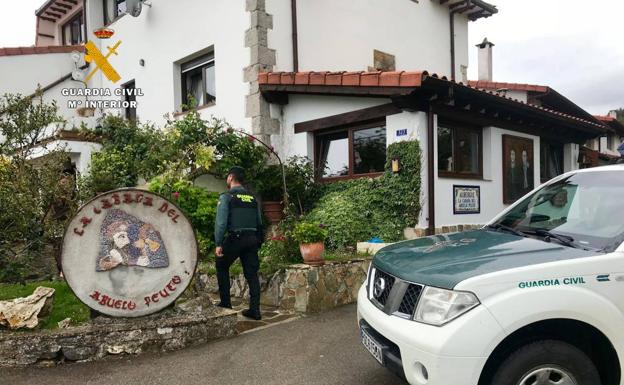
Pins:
<point x="506" y="86"/>
<point x="605" y="119"/>
<point x="390" y="80"/>
<point x="612" y="122"/>
<point x="40" y="50"/>
<point x="363" y="79"/>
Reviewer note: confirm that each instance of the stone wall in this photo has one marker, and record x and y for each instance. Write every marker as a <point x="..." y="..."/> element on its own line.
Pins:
<point x="166" y="331"/>
<point x="262" y="59"/>
<point x="304" y="288"/>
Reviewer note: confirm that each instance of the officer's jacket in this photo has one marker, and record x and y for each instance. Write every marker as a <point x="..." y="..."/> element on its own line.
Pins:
<point x="237" y="210"/>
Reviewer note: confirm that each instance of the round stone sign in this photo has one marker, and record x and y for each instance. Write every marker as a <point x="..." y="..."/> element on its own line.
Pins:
<point x="129" y="253"/>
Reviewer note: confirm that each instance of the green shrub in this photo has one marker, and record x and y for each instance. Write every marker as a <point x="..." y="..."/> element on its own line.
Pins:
<point x="199" y="205"/>
<point x="309" y="232"/>
<point x="359" y="209"/>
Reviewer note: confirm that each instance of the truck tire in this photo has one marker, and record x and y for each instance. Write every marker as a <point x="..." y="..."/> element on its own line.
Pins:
<point x="547" y="362"/>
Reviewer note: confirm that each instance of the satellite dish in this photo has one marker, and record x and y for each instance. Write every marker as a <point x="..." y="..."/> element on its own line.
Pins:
<point x="76" y="56"/>
<point x="134" y="7"/>
<point x="78" y="76"/>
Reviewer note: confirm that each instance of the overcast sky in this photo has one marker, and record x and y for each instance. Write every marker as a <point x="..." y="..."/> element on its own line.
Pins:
<point x="573" y="46"/>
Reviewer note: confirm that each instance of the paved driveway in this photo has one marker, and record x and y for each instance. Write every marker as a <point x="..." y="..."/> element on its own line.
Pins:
<point x="322" y="349"/>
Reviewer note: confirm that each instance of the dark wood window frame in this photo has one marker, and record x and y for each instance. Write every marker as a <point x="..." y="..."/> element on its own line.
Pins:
<point x="130" y="113"/>
<point x="350" y="129"/>
<point x="200" y="63"/>
<point x="77" y="17"/>
<point x="461" y="126"/>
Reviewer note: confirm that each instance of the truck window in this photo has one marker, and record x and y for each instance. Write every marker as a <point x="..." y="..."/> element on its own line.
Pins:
<point x="588" y="207"/>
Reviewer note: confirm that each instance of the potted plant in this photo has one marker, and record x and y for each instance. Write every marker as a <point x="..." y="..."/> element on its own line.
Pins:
<point x="311" y="237"/>
<point x="269" y="186"/>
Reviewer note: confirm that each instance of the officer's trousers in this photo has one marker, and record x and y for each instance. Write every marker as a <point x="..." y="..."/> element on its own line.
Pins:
<point x="243" y="246"/>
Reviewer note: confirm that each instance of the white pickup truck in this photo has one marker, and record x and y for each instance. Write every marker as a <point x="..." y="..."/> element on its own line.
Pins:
<point x="534" y="298"/>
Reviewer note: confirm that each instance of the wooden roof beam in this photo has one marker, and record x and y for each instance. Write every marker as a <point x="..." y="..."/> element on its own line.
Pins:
<point x="57" y="9"/>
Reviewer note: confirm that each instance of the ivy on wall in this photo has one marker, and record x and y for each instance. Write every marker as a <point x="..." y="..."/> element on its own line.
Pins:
<point x="356" y="210"/>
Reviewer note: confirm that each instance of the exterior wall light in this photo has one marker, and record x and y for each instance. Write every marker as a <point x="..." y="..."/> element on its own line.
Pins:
<point x="396" y="165"/>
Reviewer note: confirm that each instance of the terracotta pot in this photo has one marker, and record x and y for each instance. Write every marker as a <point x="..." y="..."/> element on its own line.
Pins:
<point x="274" y="211"/>
<point x="313" y="253"/>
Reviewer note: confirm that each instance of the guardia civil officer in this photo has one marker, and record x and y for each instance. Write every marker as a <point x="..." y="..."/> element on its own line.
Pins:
<point x="238" y="234"/>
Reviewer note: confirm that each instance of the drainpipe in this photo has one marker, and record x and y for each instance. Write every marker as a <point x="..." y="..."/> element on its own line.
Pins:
<point x="452" y="28"/>
<point x="430" y="172"/>
<point x="295" y="43"/>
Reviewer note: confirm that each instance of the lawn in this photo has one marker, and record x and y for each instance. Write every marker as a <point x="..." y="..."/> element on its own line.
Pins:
<point x="65" y="304"/>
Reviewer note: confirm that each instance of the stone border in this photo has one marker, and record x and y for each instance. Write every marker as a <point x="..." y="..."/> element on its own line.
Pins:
<point x="303" y="288"/>
<point x="262" y="59"/>
<point x="166" y="331"/>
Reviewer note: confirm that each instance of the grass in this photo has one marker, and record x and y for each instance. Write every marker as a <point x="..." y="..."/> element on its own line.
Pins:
<point x="65" y="305"/>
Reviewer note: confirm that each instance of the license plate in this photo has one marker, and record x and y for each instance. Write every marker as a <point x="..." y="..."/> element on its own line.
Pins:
<point x="372" y="346"/>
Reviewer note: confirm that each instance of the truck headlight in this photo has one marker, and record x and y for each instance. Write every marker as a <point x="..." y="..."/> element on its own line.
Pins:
<point x="438" y="306"/>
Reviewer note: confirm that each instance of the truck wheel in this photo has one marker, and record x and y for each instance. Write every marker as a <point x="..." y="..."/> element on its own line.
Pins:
<point x="547" y="362"/>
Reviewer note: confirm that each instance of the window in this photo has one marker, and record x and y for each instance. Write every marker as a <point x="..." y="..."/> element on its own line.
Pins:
<point x="130" y="97"/>
<point x="459" y="151"/>
<point x="73" y="31"/>
<point x="351" y="152"/>
<point x="113" y="9"/>
<point x="198" y="82"/>
<point x="551" y="161"/>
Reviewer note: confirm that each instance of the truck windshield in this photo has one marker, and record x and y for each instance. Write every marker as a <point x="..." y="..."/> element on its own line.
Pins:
<point x="585" y="210"/>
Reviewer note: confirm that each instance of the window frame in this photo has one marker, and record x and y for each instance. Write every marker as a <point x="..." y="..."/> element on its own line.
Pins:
<point x="128" y="98"/>
<point x="546" y="153"/>
<point x="202" y="63"/>
<point x="453" y="126"/>
<point x="350" y="129"/>
<point x="80" y="17"/>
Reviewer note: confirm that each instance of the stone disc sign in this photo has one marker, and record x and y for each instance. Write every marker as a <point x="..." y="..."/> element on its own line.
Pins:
<point x="129" y="253"/>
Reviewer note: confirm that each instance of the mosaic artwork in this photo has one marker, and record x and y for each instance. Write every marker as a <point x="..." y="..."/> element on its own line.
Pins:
<point x="127" y="241"/>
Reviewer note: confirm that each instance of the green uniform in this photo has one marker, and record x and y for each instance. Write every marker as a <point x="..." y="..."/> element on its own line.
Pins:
<point x="239" y="230"/>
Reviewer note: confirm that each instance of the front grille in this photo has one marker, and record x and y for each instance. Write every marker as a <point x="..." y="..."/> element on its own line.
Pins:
<point x="382" y="285"/>
<point x="393" y="295"/>
<point x="410" y="299"/>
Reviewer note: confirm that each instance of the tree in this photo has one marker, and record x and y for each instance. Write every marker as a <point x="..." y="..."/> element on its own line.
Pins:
<point x="37" y="196"/>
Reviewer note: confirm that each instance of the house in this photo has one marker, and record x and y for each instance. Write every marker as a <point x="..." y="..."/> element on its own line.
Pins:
<point x="324" y="79"/>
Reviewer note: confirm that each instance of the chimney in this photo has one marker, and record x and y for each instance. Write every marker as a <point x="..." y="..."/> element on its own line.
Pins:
<point x="485" y="60"/>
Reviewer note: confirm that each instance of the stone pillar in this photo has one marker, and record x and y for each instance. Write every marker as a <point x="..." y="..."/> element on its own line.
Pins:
<point x="262" y="59"/>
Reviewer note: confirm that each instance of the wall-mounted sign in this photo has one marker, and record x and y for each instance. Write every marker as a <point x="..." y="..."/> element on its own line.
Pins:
<point x="129" y="253"/>
<point x="466" y="199"/>
<point x="402" y="132"/>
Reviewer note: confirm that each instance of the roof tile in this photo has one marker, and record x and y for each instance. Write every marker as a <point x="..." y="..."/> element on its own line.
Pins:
<point x="317" y="78"/>
<point x="370" y="79"/>
<point x="333" y="79"/>
<point x="390" y="79"/>
<point x="302" y="78"/>
<point x="288" y="78"/>
<point x="351" y="78"/>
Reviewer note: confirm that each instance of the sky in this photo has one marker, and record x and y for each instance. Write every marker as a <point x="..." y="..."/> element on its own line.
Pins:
<point x="573" y="46"/>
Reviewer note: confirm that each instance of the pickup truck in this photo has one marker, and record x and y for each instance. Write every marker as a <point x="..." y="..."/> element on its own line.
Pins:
<point x="536" y="297"/>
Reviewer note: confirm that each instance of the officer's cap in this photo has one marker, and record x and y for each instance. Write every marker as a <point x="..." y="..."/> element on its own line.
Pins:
<point x="238" y="173"/>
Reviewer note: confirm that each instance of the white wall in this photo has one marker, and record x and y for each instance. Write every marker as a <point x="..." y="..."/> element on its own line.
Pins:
<point x="491" y="184"/>
<point x="341" y="35"/>
<point x="79" y="152"/>
<point x="168" y="32"/>
<point x="302" y="108"/>
<point x="20" y="74"/>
